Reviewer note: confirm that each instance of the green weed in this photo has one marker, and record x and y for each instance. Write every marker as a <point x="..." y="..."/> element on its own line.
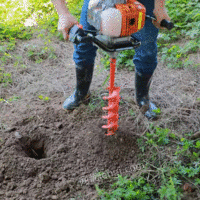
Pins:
<point x="170" y="173"/>
<point x="157" y="111"/>
<point x="158" y="137"/>
<point x="131" y="112"/>
<point x="124" y="60"/>
<point x="179" y="55"/>
<point x="14" y="98"/>
<point x="96" y="103"/>
<point x="169" y="190"/>
<point x="43" y="98"/>
<point x="128" y="189"/>
<point x="5" y="78"/>
<point x="38" y="54"/>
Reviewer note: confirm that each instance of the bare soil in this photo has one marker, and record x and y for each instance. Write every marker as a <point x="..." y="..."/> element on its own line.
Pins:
<point x="49" y="153"/>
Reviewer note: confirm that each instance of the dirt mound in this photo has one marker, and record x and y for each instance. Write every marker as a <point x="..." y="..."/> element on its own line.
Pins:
<point x="56" y="154"/>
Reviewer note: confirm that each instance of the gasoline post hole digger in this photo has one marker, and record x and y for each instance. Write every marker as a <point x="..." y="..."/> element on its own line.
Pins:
<point x="115" y="22"/>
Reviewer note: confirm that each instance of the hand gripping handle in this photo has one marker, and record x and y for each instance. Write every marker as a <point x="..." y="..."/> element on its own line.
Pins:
<point x="163" y="23"/>
<point x="167" y="24"/>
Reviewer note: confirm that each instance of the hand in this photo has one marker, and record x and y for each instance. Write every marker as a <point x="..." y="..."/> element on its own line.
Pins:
<point x="66" y="21"/>
<point x="160" y="13"/>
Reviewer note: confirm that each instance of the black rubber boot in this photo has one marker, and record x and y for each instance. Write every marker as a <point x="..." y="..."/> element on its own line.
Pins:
<point x="142" y="84"/>
<point x="81" y="93"/>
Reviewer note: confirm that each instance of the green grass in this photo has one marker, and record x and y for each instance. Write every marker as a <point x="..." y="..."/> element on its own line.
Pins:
<point x="166" y="163"/>
<point x="5" y="78"/>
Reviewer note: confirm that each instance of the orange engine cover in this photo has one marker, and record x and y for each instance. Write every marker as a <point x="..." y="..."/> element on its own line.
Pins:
<point x="133" y="17"/>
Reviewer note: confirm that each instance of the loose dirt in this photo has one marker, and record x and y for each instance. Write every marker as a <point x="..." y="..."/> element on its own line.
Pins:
<point x="49" y="153"/>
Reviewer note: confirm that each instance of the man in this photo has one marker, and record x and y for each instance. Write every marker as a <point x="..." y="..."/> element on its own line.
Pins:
<point x="145" y="58"/>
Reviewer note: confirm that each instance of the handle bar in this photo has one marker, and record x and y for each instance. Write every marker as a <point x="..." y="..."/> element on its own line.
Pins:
<point x="163" y="23"/>
<point x="167" y="24"/>
<point x="78" y="35"/>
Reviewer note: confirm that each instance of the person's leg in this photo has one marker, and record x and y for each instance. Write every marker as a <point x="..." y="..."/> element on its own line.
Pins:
<point x="145" y="61"/>
<point x="84" y="57"/>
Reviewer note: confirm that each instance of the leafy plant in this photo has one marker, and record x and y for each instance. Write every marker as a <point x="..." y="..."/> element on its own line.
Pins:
<point x="169" y="191"/>
<point x="38" y="54"/>
<point x="159" y="137"/>
<point x="43" y="98"/>
<point x="157" y="111"/>
<point x="171" y="170"/>
<point x="14" y="98"/>
<point x="128" y="189"/>
<point x="125" y="59"/>
<point x="96" y="102"/>
<point x="5" y="77"/>
<point x="187" y="22"/>
<point x="131" y="112"/>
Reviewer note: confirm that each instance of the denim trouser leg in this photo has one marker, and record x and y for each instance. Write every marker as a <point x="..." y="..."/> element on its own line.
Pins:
<point x="84" y="53"/>
<point x="145" y="58"/>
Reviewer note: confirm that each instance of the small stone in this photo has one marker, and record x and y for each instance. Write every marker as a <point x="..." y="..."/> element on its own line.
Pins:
<point x="61" y="178"/>
<point x="48" y="169"/>
<point x="20" y="191"/>
<point x="24" y="191"/>
<point x="22" y="198"/>
<point x="7" y="178"/>
<point x="74" y="174"/>
<point x="9" y="194"/>
<point x="11" y="129"/>
<point x="62" y="148"/>
<point x="62" y="185"/>
<point x="59" y="125"/>
<point x="54" y="197"/>
<point x="74" y="144"/>
<point x="78" y="161"/>
<point x="69" y="166"/>
<point x="11" y="186"/>
<point x="17" y="135"/>
<point x="54" y="177"/>
<point x="39" y="185"/>
<point x="193" y="83"/>
<point x="44" y="177"/>
<point x="34" y="185"/>
<point x="27" y="182"/>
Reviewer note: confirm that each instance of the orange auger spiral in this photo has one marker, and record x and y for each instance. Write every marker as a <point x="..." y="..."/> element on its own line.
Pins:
<point x="113" y="102"/>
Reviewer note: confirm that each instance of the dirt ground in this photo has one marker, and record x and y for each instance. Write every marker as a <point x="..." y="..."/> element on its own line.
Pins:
<point x="48" y="153"/>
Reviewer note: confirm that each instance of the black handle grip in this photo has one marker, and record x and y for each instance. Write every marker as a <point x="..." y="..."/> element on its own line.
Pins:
<point x="167" y="24"/>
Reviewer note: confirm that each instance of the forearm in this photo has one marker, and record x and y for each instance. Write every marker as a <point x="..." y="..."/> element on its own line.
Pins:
<point x="60" y="6"/>
<point x="159" y="4"/>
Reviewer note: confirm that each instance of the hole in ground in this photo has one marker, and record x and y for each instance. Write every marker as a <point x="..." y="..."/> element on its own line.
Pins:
<point x="33" y="148"/>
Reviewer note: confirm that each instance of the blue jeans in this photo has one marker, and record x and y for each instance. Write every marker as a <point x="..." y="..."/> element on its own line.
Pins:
<point x="145" y="58"/>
